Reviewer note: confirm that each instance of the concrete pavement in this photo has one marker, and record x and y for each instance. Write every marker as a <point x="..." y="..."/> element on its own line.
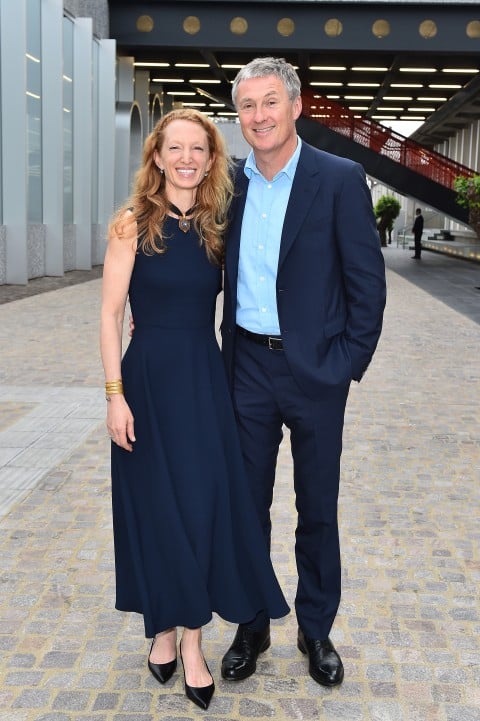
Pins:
<point x="409" y="623"/>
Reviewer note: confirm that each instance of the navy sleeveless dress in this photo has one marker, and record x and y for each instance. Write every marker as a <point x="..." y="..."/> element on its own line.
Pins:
<point x="186" y="535"/>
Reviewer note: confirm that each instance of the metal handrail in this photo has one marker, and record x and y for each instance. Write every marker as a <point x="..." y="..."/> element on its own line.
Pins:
<point x="384" y="141"/>
<point x="403" y="231"/>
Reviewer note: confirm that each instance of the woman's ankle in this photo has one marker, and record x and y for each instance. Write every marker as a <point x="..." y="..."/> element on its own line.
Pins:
<point x="164" y="646"/>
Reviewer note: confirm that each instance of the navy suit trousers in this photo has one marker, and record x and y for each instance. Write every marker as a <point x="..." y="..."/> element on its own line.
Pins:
<point x="266" y="398"/>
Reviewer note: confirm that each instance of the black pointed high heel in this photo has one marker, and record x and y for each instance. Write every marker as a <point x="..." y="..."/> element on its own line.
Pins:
<point x="163" y="672"/>
<point x="200" y="695"/>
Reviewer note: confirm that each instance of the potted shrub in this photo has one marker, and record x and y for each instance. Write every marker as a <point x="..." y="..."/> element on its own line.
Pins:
<point x="386" y="209"/>
<point x="468" y="196"/>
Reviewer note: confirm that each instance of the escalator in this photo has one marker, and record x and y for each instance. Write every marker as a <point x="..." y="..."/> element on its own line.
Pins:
<point x="399" y="163"/>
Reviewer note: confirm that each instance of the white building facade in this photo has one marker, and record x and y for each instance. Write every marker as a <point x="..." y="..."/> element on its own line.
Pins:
<point x="57" y="151"/>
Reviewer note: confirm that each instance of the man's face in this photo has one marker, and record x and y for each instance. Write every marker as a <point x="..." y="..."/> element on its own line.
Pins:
<point x="267" y="116"/>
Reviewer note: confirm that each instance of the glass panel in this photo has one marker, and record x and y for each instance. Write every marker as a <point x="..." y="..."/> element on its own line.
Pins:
<point x="34" y="113"/>
<point x="95" y="148"/>
<point x="1" y="158"/>
<point x="67" y="120"/>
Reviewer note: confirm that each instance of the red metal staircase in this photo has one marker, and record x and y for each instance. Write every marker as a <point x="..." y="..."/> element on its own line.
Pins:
<point x="391" y="158"/>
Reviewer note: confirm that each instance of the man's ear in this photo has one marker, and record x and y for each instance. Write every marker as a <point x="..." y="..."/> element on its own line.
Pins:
<point x="297" y="107"/>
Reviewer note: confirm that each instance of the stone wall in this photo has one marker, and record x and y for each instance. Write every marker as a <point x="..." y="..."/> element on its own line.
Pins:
<point x="95" y="9"/>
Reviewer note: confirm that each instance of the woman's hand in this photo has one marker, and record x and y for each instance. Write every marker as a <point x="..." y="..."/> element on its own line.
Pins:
<point x="120" y="422"/>
<point x="131" y="325"/>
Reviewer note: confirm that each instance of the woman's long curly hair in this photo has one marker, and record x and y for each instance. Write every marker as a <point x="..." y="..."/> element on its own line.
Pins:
<point x="149" y="203"/>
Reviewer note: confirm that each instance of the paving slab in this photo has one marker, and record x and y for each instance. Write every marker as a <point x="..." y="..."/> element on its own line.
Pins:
<point x="408" y="627"/>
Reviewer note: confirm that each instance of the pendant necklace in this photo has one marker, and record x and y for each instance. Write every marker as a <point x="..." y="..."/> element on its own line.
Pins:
<point x="183" y="222"/>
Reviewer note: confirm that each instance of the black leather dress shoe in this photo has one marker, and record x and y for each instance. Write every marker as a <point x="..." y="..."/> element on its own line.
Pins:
<point x="240" y="661"/>
<point x="325" y="665"/>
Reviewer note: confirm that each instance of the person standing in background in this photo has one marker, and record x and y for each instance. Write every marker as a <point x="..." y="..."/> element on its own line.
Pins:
<point x="417" y="231"/>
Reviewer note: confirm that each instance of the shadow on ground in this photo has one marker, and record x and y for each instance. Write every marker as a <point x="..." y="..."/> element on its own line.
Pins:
<point x="454" y="281"/>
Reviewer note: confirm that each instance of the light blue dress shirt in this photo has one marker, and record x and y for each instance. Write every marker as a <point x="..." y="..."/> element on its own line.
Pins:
<point x="262" y="225"/>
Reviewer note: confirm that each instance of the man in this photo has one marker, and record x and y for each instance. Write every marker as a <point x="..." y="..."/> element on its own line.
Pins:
<point x="303" y="306"/>
<point x="417" y="231"/>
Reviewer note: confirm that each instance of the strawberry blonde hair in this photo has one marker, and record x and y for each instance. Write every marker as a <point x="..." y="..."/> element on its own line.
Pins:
<point x="148" y="202"/>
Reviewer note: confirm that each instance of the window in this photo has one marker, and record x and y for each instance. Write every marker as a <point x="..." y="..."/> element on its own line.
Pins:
<point x="34" y="113"/>
<point x="67" y="120"/>
<point x="95" y="148"/>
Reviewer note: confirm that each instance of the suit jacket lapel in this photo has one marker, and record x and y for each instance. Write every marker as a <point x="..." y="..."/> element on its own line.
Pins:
<point x="232" y="243"/>
<point x="304" y="188"/>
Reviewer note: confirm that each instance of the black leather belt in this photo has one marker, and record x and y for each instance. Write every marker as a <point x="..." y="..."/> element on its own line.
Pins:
<point x="274" y="342"/>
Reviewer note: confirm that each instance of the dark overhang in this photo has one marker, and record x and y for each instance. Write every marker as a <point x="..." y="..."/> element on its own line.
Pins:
<point x="385" y="60"/>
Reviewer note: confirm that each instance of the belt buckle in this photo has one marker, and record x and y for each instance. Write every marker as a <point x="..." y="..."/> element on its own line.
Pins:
<point x="271" y="343"/>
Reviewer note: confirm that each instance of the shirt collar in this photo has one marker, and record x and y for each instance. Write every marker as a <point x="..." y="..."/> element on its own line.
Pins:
<point x="289" y="168"/>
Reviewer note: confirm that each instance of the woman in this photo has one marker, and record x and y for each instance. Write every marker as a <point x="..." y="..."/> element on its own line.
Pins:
<point x="187" y="541"/>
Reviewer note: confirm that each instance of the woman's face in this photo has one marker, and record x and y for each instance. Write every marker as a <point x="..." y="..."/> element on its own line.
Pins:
<point x="184" y="157"/>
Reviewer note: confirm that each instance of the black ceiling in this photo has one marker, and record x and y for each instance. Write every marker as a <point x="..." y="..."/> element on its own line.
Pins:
<point x="403" y="52"/>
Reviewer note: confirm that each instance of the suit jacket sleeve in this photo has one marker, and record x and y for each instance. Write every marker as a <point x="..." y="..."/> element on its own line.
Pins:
<point x="363" y="268"/>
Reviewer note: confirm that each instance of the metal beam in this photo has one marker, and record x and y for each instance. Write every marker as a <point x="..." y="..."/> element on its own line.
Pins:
<point x="442" y="119"/>
<point x="384" y="27"/>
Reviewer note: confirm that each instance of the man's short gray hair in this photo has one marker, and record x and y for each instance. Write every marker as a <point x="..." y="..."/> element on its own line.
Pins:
<point x="262" y="68"/>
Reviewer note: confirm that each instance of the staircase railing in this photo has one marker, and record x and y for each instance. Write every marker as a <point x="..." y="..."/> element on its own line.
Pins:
<point x="382" y="140"/>
<point x="402" y="235"/>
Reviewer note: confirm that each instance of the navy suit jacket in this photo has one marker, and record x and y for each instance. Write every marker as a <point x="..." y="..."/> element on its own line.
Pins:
<point x="331" y="275"/>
